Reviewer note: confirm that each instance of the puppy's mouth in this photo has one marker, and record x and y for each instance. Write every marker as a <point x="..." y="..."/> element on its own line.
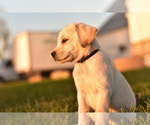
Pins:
<point x="63" y="58"/>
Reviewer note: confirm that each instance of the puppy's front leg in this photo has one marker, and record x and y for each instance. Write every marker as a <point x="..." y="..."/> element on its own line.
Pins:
<point x="82" y="103"/>
<point x="83" y="108"/>
<point x="103" y="102"/>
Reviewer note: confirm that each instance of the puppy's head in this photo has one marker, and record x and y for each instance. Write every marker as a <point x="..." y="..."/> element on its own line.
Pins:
<point x="72" y="42"/>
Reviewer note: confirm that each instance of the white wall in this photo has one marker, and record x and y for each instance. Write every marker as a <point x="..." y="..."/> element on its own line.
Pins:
<point x="110" y="42"/>
<point x="21" y="52"/>
<point x="138" y="19"/>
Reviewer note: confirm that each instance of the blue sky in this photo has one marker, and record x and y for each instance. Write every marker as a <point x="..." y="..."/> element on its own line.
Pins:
<point x="53" y="15"/>
<point x="55" y="5"/>
<point x="18" y="22"/>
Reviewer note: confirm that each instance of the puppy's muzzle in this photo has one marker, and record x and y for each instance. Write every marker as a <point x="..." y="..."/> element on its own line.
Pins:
<point x="53" y="54"/>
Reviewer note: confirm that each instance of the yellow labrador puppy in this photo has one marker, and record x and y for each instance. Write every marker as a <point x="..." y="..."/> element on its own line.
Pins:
<point x="100" y="86"/>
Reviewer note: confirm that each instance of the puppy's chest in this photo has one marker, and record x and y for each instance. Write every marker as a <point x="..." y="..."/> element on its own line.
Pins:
<point x="83" y="72"/>
<point x="84" y="81"/>
<point x="88" y="76"/>
<point x="85" y="86"/>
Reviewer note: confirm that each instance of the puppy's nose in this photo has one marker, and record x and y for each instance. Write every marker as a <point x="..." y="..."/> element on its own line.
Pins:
<point x="53" y="53"/>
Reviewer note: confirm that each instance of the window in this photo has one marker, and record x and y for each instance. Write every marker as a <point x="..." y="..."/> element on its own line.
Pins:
<point x="8" y="63"/>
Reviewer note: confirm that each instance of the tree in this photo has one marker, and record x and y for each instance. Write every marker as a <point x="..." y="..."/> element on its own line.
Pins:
<point x="4" y="34"/>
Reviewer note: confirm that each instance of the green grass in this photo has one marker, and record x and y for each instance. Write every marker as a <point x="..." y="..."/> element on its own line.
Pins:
<point x="60" y="96"/>
<point x="140" y="83"/>
<point x="45" y="96"/>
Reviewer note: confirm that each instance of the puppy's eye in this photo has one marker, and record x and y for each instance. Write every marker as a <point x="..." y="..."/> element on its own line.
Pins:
<point x="64" y="40"/>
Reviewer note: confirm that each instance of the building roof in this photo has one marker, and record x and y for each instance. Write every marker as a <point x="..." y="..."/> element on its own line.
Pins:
<point x="118" y="7"/>
<point x="118" y="20"/>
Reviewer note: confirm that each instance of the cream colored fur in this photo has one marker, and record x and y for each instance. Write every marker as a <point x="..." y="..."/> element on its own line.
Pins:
<point x="100" y="86"/>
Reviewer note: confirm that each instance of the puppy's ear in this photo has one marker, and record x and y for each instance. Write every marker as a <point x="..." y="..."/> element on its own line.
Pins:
<point x="85" y="33"/>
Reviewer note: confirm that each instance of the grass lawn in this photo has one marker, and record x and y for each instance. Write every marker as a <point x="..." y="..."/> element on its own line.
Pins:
<point x="60" y="96"/>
